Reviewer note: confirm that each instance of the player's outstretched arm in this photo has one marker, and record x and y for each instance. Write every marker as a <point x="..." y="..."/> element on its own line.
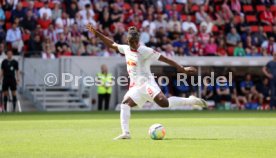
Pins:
<point x="176" y="65"/>
<point x="108" y="42"/>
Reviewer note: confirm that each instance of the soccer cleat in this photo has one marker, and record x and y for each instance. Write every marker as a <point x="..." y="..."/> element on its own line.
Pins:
<point x="123" y="136"/>
<point x="200" y="102"/>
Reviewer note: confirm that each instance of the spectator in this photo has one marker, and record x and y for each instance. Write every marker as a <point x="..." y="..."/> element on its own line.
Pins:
<point x="204" y="36"/>
<point x="35" y="46"/>
<point x="189" y="24"/>
<point x="168" y="51"/>
<point x="249" y="90"/>
<point x="45" y="11"/>
<point x="44" y="22"/>
<point x="116" y="13"/>
<point x="268" y="46"/>
<point x="273" y="33"/>
<point x="223" y="92"/>
<point x="207" y="91"/>
<point x="259" y="37"/>
<point x="270" y="71"/>
<point x="72" y="10"/>
<point x="182" y="90"/>
<point x="236" y="6"/>
<point x="51" y="33"/>
<point x="77" y="46"/>
<point x="221" y="51"/>
<point x="10" y="4"/>
<point x="210" y="48"/>
<point x="254" y="52"/>
<point x="174" y="24"/>
<point x="201" y="15"/>
<point x="18" y="13"/>
<point x="145" y="36"/>
<point x="196" y="48"/>
<point x="65" y="21"/>
<point x="152" y="25"/>
<point x="29" y="23"/>
<point x="233" y="38"/>
<point x="239" y="51"/>
<point x="34" y="10"/>
<point x="181" y="46"/>
<point x="2" y="13"/>
<point x="60" y="44"/>
<point x="47" y="54"/>
<point x="83" y="3"/>
<point x="265" y="91"/>
<point x="56" y="13"/>
<point x="160" y="22"/>
<point x="15" y="38"/>
<point x="226" y="11"/>
<point x="267" y="17"/>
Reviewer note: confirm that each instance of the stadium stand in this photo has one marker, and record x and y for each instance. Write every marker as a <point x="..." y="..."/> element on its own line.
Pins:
<point x="51" y="19"/>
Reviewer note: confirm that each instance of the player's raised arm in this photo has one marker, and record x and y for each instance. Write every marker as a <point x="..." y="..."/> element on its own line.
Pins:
<point x="176" y="65"/>
<point x="108" y="42"/>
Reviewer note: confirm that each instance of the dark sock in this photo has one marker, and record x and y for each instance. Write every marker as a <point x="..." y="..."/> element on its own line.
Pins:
<point x="5" y="103"/>
<point x="14" y="100"/>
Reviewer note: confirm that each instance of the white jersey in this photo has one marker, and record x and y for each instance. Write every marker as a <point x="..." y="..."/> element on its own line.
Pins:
<point x="138" y="63"/>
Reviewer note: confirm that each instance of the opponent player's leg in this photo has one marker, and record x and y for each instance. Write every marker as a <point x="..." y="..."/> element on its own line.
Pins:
<point x="164" y="102"/>
<point x="125" y="117"/>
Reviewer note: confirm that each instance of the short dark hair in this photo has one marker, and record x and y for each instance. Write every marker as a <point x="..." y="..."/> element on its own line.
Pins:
<point x="133" y="33"/>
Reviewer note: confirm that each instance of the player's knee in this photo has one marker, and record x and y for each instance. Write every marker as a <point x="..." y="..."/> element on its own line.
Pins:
<point x="163" y="102"/>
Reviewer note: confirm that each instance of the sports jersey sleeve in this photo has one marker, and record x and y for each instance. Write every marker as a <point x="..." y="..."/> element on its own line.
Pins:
<point x="121" y="48"/>
<point x="150" y="54"/>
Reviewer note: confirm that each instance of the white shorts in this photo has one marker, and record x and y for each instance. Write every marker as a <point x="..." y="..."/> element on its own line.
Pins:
<point x="140" y="95"/>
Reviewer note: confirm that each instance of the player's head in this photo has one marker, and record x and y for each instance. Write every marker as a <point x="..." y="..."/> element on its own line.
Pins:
<point x="9" y="54"/>
<point x="133" y="37"/>
<point x="104" y="68"/>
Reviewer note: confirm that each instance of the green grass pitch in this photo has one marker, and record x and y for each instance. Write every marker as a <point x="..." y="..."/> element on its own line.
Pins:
<point x="89" y="135"/>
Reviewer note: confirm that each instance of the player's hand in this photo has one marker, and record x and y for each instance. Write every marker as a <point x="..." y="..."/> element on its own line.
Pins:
<point x="190" y="69"/>
<point x="90" y="28"/>
<point x="17" y="82"/>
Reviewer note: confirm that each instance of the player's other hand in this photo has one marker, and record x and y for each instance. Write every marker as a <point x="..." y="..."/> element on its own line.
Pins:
<point x="190" y="69"/>
<point x="90" y="28"/>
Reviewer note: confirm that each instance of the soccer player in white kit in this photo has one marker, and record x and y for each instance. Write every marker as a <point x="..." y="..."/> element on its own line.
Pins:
<point x="143" y="87"/>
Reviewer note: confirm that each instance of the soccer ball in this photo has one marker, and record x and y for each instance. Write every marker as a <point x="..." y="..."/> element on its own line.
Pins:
<point x="157" y="132"/>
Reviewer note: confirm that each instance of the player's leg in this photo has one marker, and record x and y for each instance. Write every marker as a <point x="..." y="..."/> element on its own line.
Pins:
<point x="154" y="92"/>
<point x="173" y="101"/>
<point x="125" y="117"/>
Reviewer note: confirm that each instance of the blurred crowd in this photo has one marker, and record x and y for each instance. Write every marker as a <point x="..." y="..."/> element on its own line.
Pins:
<point x="54" y="28"/>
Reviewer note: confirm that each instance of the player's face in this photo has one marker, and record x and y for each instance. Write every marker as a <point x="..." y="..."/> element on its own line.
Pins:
<point x="133" y="43"/>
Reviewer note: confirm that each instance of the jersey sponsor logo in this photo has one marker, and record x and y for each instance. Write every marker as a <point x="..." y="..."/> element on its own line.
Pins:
<point x="131" y="63"/>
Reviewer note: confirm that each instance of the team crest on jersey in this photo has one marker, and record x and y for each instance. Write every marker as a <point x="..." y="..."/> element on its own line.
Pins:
<point x="150" y="92"/>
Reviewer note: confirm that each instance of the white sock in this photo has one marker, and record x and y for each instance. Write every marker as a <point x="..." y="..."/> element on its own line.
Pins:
<point x="179" y="101"/>
<point x="125" y="116"/>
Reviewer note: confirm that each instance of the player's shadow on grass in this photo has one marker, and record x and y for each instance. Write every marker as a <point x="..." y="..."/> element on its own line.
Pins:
<point x="197" y="139"/>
